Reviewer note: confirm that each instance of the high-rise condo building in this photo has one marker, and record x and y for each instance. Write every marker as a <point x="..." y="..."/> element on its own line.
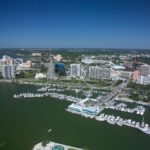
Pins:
<point x="9" y="71"/>
<point x="75" y="70"/>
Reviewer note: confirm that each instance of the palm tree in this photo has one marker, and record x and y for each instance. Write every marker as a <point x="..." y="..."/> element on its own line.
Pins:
<point x="44" y="143"/>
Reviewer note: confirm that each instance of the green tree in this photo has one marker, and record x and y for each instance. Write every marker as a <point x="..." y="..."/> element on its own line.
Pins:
<point x="134" y="96"/>
<point x="118" y="82"/>
<point x="44" y="143"/>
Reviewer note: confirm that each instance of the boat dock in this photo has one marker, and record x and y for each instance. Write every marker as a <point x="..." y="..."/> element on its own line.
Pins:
<point x="111" y="119"/>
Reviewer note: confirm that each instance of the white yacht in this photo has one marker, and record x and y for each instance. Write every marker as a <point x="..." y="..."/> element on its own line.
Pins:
<point x="145" y="129"/>
<point x="49" y="130"/>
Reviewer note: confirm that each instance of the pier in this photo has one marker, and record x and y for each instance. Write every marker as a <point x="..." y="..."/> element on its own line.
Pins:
<point x="111" y="119"/>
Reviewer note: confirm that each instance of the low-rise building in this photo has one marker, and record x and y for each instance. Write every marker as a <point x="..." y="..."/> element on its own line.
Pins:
<point x="24" y="66"/>
<point x="118" y="67"/>
<point x="57" y="57"/>
<point x="36" y="54"/>
<point x="87" y="106"/>
<point x="40" y="76"/>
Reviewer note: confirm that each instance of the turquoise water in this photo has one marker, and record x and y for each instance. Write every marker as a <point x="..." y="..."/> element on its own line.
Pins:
<point x="25" y="122"/>
<point x="58" y="147"/>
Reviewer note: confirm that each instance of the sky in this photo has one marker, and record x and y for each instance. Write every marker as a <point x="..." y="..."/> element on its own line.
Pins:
<point x="75" y="24"/>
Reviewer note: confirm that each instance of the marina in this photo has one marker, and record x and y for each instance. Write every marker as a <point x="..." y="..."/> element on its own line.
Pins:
<point x="132" y="101"/>
<point x="47" y="94"/>
<point x="39" y="114"/>
<point x="139" y="110"/>
<point x="91" y="108"/>
<point x="111" y="119"/>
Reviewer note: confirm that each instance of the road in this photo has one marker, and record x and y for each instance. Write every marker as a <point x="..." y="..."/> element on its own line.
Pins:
<point x="109" y="98"/>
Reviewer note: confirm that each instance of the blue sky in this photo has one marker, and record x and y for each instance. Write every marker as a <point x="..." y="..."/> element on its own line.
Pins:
<point x="75" y="23"/>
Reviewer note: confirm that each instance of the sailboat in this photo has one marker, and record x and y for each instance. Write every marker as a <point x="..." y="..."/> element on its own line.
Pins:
<point x="142" y="123"/>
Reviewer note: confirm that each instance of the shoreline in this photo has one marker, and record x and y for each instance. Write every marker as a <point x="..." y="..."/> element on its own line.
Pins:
<point x="5" y="81"/>
<point x="51" y="145"/>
